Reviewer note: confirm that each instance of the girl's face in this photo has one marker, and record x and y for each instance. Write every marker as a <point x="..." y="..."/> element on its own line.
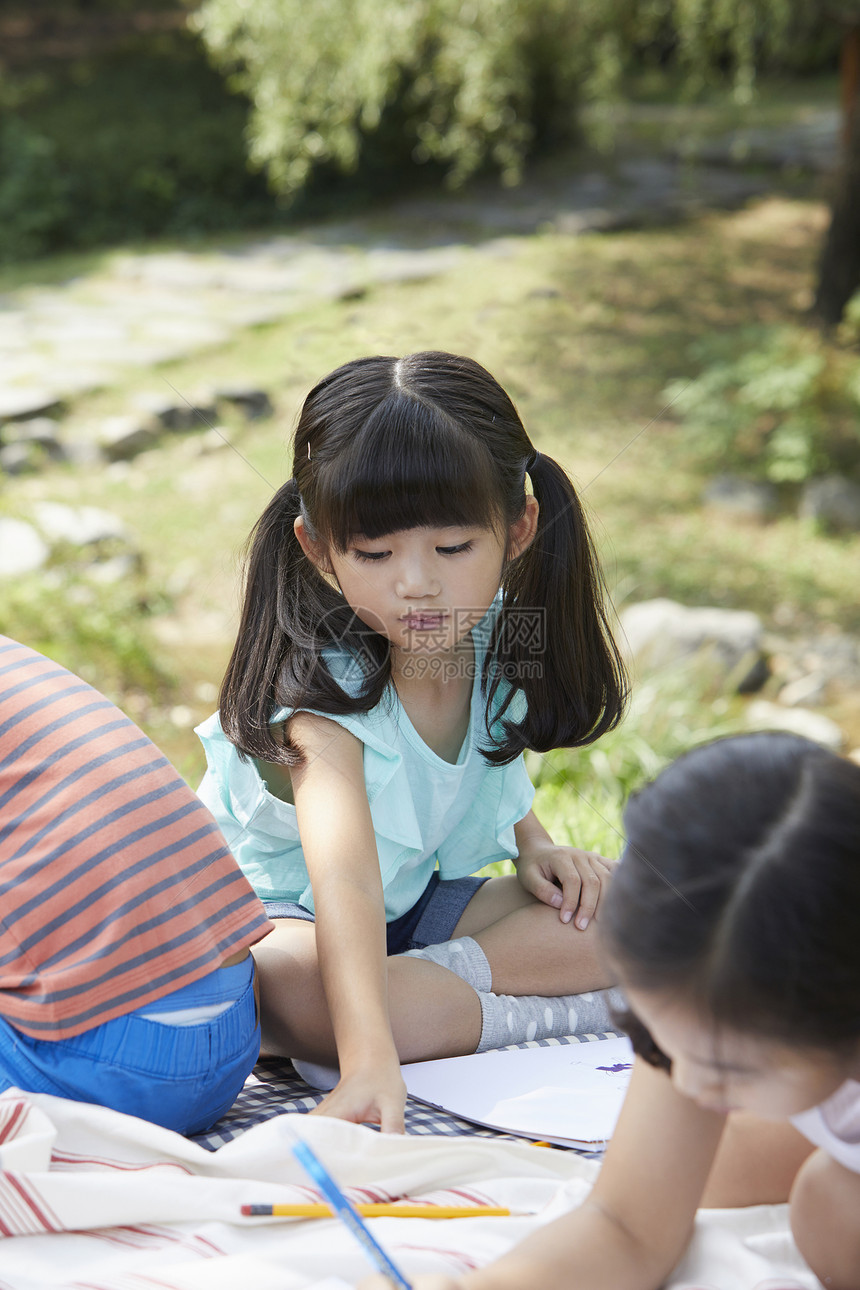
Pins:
<point x="725" y="1070"/>
<point x="423" y="588"/>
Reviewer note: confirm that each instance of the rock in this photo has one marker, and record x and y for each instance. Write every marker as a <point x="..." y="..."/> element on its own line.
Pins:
<point x="40" y="430"/>
<point x="215" y="439"/>
<point x="78" y="525"/>
<point x="254" y="404"/>
<point x="29" y="445"/>
<point x="21" y="458"/>
<point x="804" y="689"/>
<point x="763" y="715"/>
<point x="19" y="403"/>
<point x="833" y="502"/>
<point x="177" y="413"/>
<point x="116" y="568"/>
<point x="121" y="438"/>
<point x="742" y="498"/>
<point x="660" y="633"/>
<point x="22" y="550"/>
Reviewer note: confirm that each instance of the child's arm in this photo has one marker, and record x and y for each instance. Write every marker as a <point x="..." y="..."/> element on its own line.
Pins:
<point x="340" y="852"/>
<point x="568" y="879"/>
<point x="635" y="1225"/>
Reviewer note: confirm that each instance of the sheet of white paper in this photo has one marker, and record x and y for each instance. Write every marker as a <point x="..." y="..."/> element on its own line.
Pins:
<point x="563" y="1093"/>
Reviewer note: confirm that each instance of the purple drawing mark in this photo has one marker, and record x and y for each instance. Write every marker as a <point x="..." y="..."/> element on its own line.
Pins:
<point x="617" y="1068"/>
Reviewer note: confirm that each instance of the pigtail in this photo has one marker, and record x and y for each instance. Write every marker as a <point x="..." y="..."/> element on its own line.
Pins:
<point x="553" y="640"/>
<point x="289" y="615"/>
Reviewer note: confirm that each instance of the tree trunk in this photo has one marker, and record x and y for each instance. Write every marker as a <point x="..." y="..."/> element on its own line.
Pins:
<point x="839" y="268"/>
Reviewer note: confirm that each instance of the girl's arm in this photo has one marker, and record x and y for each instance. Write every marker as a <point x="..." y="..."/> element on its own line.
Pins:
<point x="340" y="852"/>
<point x="568" y="879"/>
<point x="633" y="1228"/>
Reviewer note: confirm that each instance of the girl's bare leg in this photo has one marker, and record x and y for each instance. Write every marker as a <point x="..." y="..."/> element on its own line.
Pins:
<point x="433" y="1013"/>
<point x="529" y="949"/>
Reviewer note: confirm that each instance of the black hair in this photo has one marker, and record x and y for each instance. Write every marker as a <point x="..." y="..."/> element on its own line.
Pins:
<point x="382" y="445"/>
<point x="739" y="890"/>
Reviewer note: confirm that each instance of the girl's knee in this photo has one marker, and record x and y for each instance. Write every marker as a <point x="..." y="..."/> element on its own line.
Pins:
<point x="825" y="1201"/>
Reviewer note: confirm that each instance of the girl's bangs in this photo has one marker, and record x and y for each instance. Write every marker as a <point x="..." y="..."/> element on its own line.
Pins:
<point x="407" y="467"/>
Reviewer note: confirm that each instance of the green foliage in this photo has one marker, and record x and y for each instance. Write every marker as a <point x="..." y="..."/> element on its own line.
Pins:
<point x="581" y="794"/>
<point x="96" y="630"/>
<point x="776" y="402"/>
<point x="470" y="82"/>
<point x="322" y="75"/>
<point x="143" y="140"/>
<point x="34" y="196"/>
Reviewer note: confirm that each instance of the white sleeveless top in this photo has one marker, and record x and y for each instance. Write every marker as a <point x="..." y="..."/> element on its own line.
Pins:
<point x="834" y="1125"/>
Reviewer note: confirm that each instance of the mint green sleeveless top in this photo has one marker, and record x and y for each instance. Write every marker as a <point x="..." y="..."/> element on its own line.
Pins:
<point x="427" y="813"/>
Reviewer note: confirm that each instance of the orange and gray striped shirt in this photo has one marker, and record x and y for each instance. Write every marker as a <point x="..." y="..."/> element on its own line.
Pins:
<point x="116" y="886"/>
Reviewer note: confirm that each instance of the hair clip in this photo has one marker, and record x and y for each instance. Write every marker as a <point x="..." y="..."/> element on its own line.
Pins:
<point x="309" y="449"/>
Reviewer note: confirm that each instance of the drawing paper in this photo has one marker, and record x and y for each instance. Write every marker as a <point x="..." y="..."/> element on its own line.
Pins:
<point x="565" y="1093"/>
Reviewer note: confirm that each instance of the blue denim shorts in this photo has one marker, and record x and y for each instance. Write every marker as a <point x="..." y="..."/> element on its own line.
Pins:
<point x="183" y="1077"/>
<point x="431" y="920"/>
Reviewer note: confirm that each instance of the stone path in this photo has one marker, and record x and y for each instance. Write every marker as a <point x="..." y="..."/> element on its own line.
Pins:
<point x="149" y="308"/>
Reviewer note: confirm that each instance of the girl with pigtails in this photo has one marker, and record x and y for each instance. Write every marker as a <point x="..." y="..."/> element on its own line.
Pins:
<point x="422" y="605"/>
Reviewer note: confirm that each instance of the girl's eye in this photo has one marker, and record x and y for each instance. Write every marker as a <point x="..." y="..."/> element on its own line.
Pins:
<point x="454" y="550"/>
<point x="369" y="555"/>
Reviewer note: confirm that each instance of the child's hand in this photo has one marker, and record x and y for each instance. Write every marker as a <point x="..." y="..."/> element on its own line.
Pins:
<point x="371" y="1095"/>
<point x="566" y="878"/>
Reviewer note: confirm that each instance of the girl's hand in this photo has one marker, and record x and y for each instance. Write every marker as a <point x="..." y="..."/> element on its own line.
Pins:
<point x="566" y="878"/>
<point x="372" y="1095"/>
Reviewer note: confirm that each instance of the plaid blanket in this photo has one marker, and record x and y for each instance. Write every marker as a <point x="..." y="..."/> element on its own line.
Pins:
<point x="276" y="1089"/>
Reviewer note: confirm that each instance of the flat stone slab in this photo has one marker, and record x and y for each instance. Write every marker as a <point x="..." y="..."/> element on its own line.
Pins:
<point x="22" y="549"/>
<point x="18" y="403"/>
<point x="153" y="308"/>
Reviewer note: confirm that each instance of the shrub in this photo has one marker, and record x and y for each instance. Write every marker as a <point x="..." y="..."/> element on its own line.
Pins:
<point x="34" y="196"/>
<point x="779" y="403"/>
<point x="143" y="140"/>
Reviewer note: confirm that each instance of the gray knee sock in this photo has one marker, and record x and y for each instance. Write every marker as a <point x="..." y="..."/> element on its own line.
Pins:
<point x="515" y="1019"/>
<point x="464" y="957"/>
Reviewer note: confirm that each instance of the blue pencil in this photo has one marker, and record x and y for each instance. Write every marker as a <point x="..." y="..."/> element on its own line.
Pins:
<point x="347" y="1213"/>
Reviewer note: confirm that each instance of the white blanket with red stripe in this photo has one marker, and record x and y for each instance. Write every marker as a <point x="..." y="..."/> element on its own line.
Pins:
<point x="94" y="1200"/>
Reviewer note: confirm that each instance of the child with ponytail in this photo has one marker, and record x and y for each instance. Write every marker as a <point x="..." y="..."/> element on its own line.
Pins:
<point x="733" y="927"/>
<point x="422" y="605"/>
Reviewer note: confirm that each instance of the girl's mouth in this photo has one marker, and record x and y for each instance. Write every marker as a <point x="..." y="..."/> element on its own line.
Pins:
<point x="423" y="621"/>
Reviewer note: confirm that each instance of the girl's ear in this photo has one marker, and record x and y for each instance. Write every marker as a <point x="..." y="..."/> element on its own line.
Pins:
<point x="314" y="549"/>
<point x="522" y="532"/>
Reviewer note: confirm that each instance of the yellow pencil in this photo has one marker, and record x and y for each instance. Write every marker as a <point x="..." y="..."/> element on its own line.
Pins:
<point x="391" y="1210"/>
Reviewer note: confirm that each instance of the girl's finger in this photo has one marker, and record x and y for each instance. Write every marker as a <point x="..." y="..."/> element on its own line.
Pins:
<point x="546" y="892"/>
<point x="572" y="896"/>
<point x="392" y="1119"/>
<point x="589" y="894"/>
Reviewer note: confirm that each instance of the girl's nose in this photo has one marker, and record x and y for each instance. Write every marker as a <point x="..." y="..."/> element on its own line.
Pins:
<point x="415" y="580"/>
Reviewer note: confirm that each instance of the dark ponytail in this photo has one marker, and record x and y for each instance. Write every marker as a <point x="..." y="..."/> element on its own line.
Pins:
<point x="568" y="666"/>
<point x="289" y="615"/>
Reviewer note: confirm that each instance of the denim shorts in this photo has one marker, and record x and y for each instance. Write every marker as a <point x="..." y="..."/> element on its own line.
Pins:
<point x="183" y="1077"/>
<point x="431" y="920"/>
